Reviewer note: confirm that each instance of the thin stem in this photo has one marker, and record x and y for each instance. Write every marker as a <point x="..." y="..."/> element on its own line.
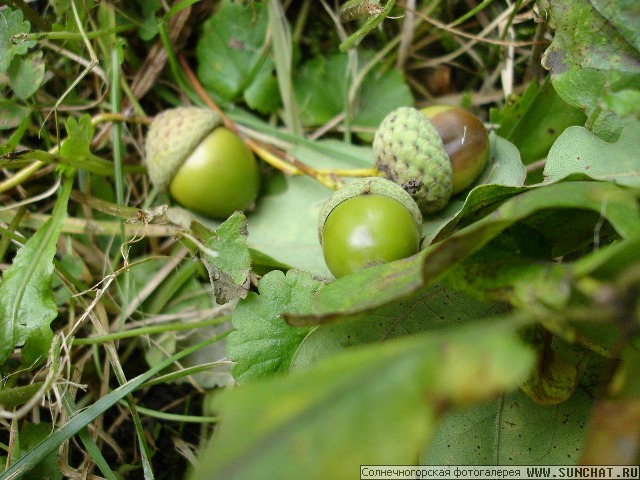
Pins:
<point x="76" y="35"/>
<point x="149" y="330"/>
<point x="283" y="161"/>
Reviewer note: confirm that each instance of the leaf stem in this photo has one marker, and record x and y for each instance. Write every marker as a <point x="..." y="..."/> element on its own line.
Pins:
<point x="76" y="35"/>
<point x="275" y="157"/>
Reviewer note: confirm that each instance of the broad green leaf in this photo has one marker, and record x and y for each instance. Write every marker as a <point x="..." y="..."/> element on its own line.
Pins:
<point x="227" y="258"/>
<point x="389" y="282"/>
<point x="284" y="226"/>
<point x="11" y="114"/>
<point x="322" y="87"/>
<point x="371" y="405"/>
<point x="232" y="60"/>
<point x="548" y="228"/>
<point x="580" y="151"/>
<point x="462" y="210"/>
<point x="433" y="308"/>
<point x="26" y="75"/>
<point x="262" y="342"/>
<point x="12" y="43"/>
<point x="263" y="94"/>
<point x="148" y="20"/>
<point x="623" y="103"/>
<point x="502" y="273"/>
<point x="589" y="58"/>
<point x="27" y="304"/>
<point x="623" y="15"/>
<point x="534" y="121"/>
<point x="520" y="265"/>
<point x="511" y="430"/>
<point x="12" y="397"/>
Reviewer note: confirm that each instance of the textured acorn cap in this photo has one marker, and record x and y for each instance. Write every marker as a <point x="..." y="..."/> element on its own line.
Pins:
<point x="409" y="151"/>
<point x="369" y="186"/>
<point x="173" y="135"/>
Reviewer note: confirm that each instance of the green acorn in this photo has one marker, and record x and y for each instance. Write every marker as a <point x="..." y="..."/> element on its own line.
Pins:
<point x="172" y="136"/>
<point x="366" y="223"/>
<point x="409" y="151"/>
<point x="205" y="167"/>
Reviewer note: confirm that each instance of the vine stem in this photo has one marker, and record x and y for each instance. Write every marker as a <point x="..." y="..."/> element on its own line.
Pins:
<point x="277" y="158"/>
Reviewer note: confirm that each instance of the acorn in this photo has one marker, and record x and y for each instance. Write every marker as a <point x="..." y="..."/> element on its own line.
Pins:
<point x="368" y="222"/>
<point x="205" y="166"/>
<point x="465" y="139"/>
<point x="432" y="154"/>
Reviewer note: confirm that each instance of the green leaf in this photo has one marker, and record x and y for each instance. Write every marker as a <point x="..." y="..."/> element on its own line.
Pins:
<point x="27" y="304"/>
<point x="322" y="87"/>
<point x="232" y="60"/>
<point x="26" y="75"/>
<point x="263" y="94"/>
<point x="389" y="282"/>
<point x="285" y="223"/>
<point x="79" y="136"/>
<point x="580" y="151"/>
<point x="589" y="58"/>
<point x="371" y="405"/>
<point x="263" y="343"/>
<point x="11" y="114"/>
<point x="520" y="265"/>
<point x="433" y="308"/>
<point x="511" y="430"/>
<point x="623" y="15"/>
<point x="148" y="20"/>
<point x="534" y="121"/>
<point x="623" y="103"/>
<point x="227" y="259"/>
<point x="505" y="274"/>
<point x="12" y="29"/>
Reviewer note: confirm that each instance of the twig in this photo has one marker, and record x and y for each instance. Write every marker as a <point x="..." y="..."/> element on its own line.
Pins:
<point x="275" y="157"/>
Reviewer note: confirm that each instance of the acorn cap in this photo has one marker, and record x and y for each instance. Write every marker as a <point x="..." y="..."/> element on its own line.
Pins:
<point x="173" y="135"/>
<point x="409" y="151"/>
<point x="369" y="186"/>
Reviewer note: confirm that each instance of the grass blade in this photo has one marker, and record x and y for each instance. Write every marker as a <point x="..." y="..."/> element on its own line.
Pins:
<point x="82" y="419"/>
